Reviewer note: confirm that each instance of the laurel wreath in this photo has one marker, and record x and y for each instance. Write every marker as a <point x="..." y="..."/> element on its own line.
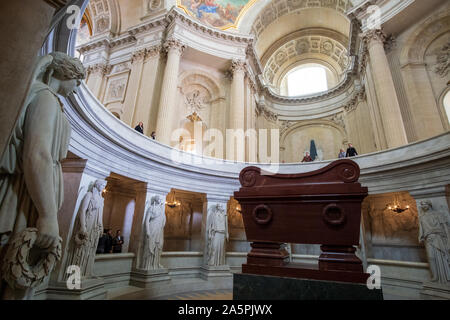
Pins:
<point x="16" y="269"/>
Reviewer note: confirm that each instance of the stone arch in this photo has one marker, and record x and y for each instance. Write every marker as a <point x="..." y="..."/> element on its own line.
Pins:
<point x="417" y="43"/>
<point x="105" y="15"/>
<point x="204" y="79"/>
<point x="116" y="111"/>
<point x="323" y="128"/>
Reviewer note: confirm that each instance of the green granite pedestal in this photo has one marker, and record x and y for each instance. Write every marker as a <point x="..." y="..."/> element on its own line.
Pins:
<point x="258" y="287"/>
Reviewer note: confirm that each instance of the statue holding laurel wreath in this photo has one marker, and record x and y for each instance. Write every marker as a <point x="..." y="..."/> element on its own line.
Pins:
<point x="31" y="179"/>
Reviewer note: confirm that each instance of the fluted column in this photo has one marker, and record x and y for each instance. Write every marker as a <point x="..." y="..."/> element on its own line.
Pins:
<point x="96" y="74"/>
<point x="167" y="107"/>
<point x="384" y="86"/>
<point x="237" y="110"/>
<point x="134" y="82"/>
<point x="145" y="110"/>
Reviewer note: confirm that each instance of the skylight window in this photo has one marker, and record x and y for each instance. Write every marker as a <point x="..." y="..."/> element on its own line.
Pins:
<point x="308" y="79"/>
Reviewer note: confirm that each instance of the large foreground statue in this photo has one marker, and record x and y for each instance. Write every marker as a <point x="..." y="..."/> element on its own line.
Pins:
<point x="31" y="179"/>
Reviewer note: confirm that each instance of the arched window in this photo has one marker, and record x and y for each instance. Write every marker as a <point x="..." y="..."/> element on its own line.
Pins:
<point x="306" y="79"/>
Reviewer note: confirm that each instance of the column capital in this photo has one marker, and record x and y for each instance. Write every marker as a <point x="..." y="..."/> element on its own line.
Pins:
<point x="138" y="55"/>
<point x="374" y="35"/>
<point x="153" y="51"/>
<point x="237" y="66"/>
<point x="174" y="45"/>
<point x="100" y="68"/>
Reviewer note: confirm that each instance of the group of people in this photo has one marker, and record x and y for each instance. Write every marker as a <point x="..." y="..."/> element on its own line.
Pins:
<point x="108" y="244"/>
<point x="351" y="152"/>
<point x="140" y="128"/>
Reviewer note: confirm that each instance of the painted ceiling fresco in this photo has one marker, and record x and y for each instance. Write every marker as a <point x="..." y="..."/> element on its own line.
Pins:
<point x="221" y="14"/>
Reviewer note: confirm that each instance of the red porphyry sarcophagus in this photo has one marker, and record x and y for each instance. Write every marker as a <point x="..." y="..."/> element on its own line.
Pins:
<point x="319" y="207"/>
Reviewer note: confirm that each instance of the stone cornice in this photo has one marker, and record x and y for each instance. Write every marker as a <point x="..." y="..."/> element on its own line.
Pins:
<point x="149" y="25"/>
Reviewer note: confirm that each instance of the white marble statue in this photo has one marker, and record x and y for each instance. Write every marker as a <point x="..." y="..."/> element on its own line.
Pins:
<point x="155" y="220"/>
<point x="434" y="231"/>
<point x="217" y="232"/>
<point x="87" y="230"/>
<point x="31" y="180"/>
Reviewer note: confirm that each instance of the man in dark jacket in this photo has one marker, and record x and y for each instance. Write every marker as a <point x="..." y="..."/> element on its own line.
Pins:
<point x="101" y="243"/>
<point x="140" y="127"/>
<point x="351" y="152"/>
<point x="117" y="242"/>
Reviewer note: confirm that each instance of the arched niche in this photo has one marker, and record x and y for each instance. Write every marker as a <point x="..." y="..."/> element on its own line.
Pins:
<point x="200" y="93"/>
<point x="328" y="137"/>
<point x="105" y="15"/>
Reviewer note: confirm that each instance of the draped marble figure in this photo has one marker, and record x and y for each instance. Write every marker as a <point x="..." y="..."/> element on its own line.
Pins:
<point x="217" y="232"/>
<point x="434" y="231"/>
<point x="155" y="220"/>
<point x="31" y="180"/>
<point x="87" y="230"/>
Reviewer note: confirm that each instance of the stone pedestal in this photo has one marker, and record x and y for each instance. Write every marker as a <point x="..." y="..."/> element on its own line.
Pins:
<point x="144" y="278"/>
<point x="258" y="287"/>
<point x="210" y="272"/>
<point x="91" y="289"/>
<point x="435" y="291"/>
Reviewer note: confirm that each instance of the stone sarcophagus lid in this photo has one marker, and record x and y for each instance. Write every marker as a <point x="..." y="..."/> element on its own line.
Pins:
<point x="320" y="207"/>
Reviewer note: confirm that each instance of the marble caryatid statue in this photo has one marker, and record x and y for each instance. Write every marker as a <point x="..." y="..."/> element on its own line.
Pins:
<point x="155" y="220"/>
<point x="217" y="232"/>
<point x="31" y="179"/>
<point x="87" y="230"/>
<point x="434" y="231"/>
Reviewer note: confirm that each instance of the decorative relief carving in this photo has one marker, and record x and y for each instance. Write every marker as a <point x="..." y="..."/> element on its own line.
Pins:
<point x="262" y="110"/>
<point x="116" y="89"/>
<point x="443" y="61"/>
<point x="352" y="105"/>
<point x="339" y="119"/>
